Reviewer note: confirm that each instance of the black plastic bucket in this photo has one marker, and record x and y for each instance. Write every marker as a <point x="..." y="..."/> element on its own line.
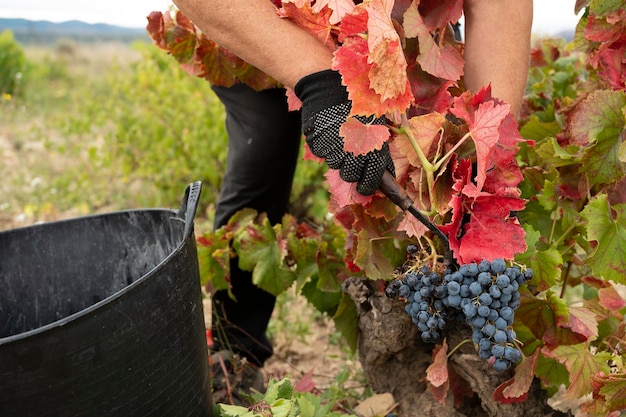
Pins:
<point x="102" y="316"/>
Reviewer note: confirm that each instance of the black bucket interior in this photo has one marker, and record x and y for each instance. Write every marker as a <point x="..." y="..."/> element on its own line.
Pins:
<point x="102" y="316"/>
<point x="48" y="273"/>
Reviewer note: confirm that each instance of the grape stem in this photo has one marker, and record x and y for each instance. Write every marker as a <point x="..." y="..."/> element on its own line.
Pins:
<point x="461" y="343"/>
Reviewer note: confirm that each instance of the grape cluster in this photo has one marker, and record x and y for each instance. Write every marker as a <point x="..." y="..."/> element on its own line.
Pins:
<point x="484" y="295"/>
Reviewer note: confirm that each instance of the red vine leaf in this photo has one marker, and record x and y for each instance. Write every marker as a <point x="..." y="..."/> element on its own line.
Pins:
<point x="353" y="24"/>
<point x="609" y="394"/>
<point x="155" y="28"/>
<point x="611" y="299"/>
<point x="344" y="193"/>
<point x="316" y="23"/>
<point x="306" y="383"/>
<point x="443" y="62"/>
<point x="361" y="138"/>
<point x="437" y="373"/>
<point x="437" y="14"/>
<point x="411" y="226"/>
<point x="351" y="60"/>
<point x="505" y="171"/>
<point x="492" y="232"/>
<point x="339" y="8"/>
<point x="484" y="118"/>
<point x="388" y="77"/>
<point x="583" y="322"/>
<point x="516" y="389"/>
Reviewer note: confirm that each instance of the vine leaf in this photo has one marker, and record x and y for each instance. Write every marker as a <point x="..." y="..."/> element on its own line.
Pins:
<point x="608" y="259"/>
<point x="581" y="365"/>
<point x="609" y="394"/>
<point x="437" y="14"/>
<point x="610" y="299"/>
<point x="546" y="263"/>
<point x="492" y="232"/>
<point x="441" y="61"/>
<point x="344" y="193"/>
<point x="551" y="372"/>
<point x="426" y="130"/>
<point x="263" y="250"/>
<point x="353" y="62"/>
<point x="340" y="8"/>
<point x="177" y="35"/>
<point x="580" y="4"/>
<point x="437" y="373"/>
<point x="201" y="57"/>
<point x="484" y="119"/>
<point x="516" y="389"/>
<point x="316" y="23"/>
<point x="214" y="259"/>
<point x="548" y="319"/>
<point x="605" y="7"/>
<point x="411" y="226"/>
<point x="504" y="169"/>
<point x="387" y="75"/>
<point x="598" y="117"/>
<point x="344" y="320"/>
<point x="361" y="138"/>
<point x="599" y="121"/>
<point x="582" y="321"/>
<point x="490" y="220"/>
<point x="604" y="28"/>
<point x="305" y="383"/>
<point x="352" y="24"/>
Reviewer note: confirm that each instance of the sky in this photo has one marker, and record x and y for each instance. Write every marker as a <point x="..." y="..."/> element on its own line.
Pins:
<point x="551" y="16"/>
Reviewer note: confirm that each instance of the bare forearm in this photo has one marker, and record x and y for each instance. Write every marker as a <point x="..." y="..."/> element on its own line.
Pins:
<point x="252" y="30"/>
<point x="497" y="47"/>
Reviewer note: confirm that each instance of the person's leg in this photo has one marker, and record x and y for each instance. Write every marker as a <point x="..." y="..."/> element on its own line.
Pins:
<point x="264" y="140"/>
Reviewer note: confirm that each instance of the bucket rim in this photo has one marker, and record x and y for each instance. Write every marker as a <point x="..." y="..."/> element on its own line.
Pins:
<point x="116" y="295"/>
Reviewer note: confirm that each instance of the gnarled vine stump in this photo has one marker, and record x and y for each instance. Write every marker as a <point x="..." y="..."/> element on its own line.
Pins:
<point x="395" y="360"/>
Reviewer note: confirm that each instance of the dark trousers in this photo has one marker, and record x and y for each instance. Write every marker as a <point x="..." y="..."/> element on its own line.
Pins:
<point x="263" y="144"/>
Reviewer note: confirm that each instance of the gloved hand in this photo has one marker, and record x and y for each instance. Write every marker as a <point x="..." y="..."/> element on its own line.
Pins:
<point x="325" y="107"/>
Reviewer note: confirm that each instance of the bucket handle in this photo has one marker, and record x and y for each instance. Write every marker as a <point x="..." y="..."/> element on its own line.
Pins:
<point x="189" y="205"/>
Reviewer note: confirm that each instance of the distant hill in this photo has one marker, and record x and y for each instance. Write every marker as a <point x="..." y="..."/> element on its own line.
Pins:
<point x="45" y="32"/>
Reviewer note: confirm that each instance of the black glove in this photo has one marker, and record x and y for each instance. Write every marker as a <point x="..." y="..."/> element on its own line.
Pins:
<point x="325" y="107"/>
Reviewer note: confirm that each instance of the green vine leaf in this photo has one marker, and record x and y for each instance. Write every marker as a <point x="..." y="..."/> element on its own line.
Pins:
<point x="605" y="7"/>
<point x="345" y="319"/>
<point x="599" y="120"/>
<point x="261" y="250"/>
<point x="581" y="365"/>
<point x="546" y="263"/>
<point x="548" y="318"/>
<point x="606" y="228"/>
<point x="551" y="373"/>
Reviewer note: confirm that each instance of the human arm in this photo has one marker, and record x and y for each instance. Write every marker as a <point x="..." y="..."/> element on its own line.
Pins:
<point x="497" y="47"/>
<point x="253" y="31"/>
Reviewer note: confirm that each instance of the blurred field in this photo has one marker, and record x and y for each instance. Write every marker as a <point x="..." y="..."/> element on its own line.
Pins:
<point x="34" y="144"/>
<point x="105" y="126"/>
